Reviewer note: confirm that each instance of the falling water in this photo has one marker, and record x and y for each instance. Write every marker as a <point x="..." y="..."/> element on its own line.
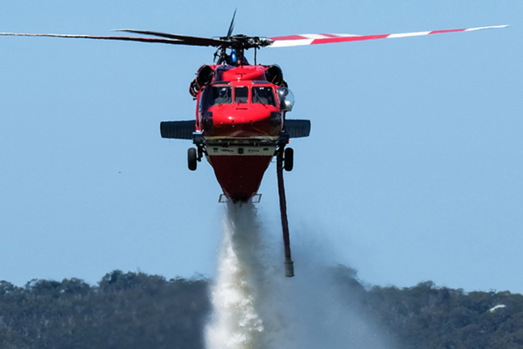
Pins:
<point x="255" y="306"/>
<point x="235" y="323"/>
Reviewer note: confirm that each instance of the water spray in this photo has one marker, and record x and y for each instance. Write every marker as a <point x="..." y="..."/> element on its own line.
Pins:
<point x="256" y="307"/>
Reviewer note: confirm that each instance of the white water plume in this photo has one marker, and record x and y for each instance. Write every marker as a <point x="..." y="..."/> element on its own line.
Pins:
<point x="256" y="307"/>
<point x="235" y="323"/>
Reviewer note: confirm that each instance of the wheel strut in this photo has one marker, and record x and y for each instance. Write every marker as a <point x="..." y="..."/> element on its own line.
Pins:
<point x="289" y="265"/>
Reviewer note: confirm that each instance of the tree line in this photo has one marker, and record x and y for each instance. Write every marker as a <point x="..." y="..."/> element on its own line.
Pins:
<point x="136" y="310"/>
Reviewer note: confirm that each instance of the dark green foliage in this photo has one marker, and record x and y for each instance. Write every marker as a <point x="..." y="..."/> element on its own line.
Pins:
<point x="126" y="310"/>
<point x="428" y="317"/>
<point x="135" y="310"/>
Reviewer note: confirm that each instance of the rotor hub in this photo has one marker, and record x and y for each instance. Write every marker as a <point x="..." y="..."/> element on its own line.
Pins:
<point x="244" y="42"/>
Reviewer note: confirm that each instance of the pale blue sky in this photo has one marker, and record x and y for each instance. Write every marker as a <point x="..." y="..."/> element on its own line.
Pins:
<point x="412" y="172"/>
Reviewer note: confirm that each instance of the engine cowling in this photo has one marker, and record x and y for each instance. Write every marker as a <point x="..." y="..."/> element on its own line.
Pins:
<point x="204" y="76"/>
<point x="274" y="75"/>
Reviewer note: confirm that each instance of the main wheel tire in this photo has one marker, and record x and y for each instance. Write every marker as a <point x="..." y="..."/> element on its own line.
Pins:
<point x="288" y="159"/>
<point x="191" y="158"/>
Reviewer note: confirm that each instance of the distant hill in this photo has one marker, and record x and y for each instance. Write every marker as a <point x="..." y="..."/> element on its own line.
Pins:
<point x="425" y="316"/>
<point x="136" y="310"/>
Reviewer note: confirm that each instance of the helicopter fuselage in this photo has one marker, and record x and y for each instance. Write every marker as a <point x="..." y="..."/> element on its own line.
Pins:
<point x="240" y="125"/>
<point x="239" y="122"/>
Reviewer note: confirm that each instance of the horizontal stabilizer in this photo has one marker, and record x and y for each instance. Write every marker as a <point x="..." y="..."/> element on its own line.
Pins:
<point x="177" y="129"/>
<point x="298" y="128"/>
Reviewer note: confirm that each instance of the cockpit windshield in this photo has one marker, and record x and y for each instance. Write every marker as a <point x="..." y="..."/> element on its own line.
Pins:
<point x="217" y="95"/>
<point x="263" y="95"/>
<point x="223" y="94"/>
<point x="241" y="94"/>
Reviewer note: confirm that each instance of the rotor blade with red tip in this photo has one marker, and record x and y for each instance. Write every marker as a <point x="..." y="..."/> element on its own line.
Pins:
<point x="315" y="39"/>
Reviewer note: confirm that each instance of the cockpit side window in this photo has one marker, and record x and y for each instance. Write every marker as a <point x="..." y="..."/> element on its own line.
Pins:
<point x="263" y="95"/>
<point x="201" y="101"/>
<point x="217" y="95"/>
<point x="241" y="94"/>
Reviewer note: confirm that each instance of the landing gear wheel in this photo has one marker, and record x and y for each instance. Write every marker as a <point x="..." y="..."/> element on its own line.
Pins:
<point x="289" y="159"/>
<point x="191" y="158"/>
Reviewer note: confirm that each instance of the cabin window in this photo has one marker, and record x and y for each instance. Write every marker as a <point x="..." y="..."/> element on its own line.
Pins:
<point x="217" y="95"/>
<point x="201" y="101"/>
<point x="263" y="95"/>
<point x="241" y="94"/>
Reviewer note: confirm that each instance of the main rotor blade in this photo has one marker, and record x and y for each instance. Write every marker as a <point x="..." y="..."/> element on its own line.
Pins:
<point x="315" y="39"/>
<point x="124" y="38"/>
<point x="184" y="39"/>
<point x="231" y="26"/>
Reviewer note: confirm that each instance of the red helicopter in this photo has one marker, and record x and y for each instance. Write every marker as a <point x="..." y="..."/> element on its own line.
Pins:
<point x="241" y="109"/>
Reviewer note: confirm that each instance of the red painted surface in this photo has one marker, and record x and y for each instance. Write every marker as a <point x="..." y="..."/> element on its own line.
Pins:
<point x="237" y="120"/>
<point x="242" y="119"/>
<point x="330" y="35"/>
<point x="239" y="176"/>
<point x="447" y="31"/>
<point x="245" y="73"/>
<point x="348" y="39"/>
<point x="288" y="37"/>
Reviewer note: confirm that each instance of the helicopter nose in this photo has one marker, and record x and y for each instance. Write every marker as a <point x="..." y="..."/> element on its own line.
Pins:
<point x="246" y="124"/>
